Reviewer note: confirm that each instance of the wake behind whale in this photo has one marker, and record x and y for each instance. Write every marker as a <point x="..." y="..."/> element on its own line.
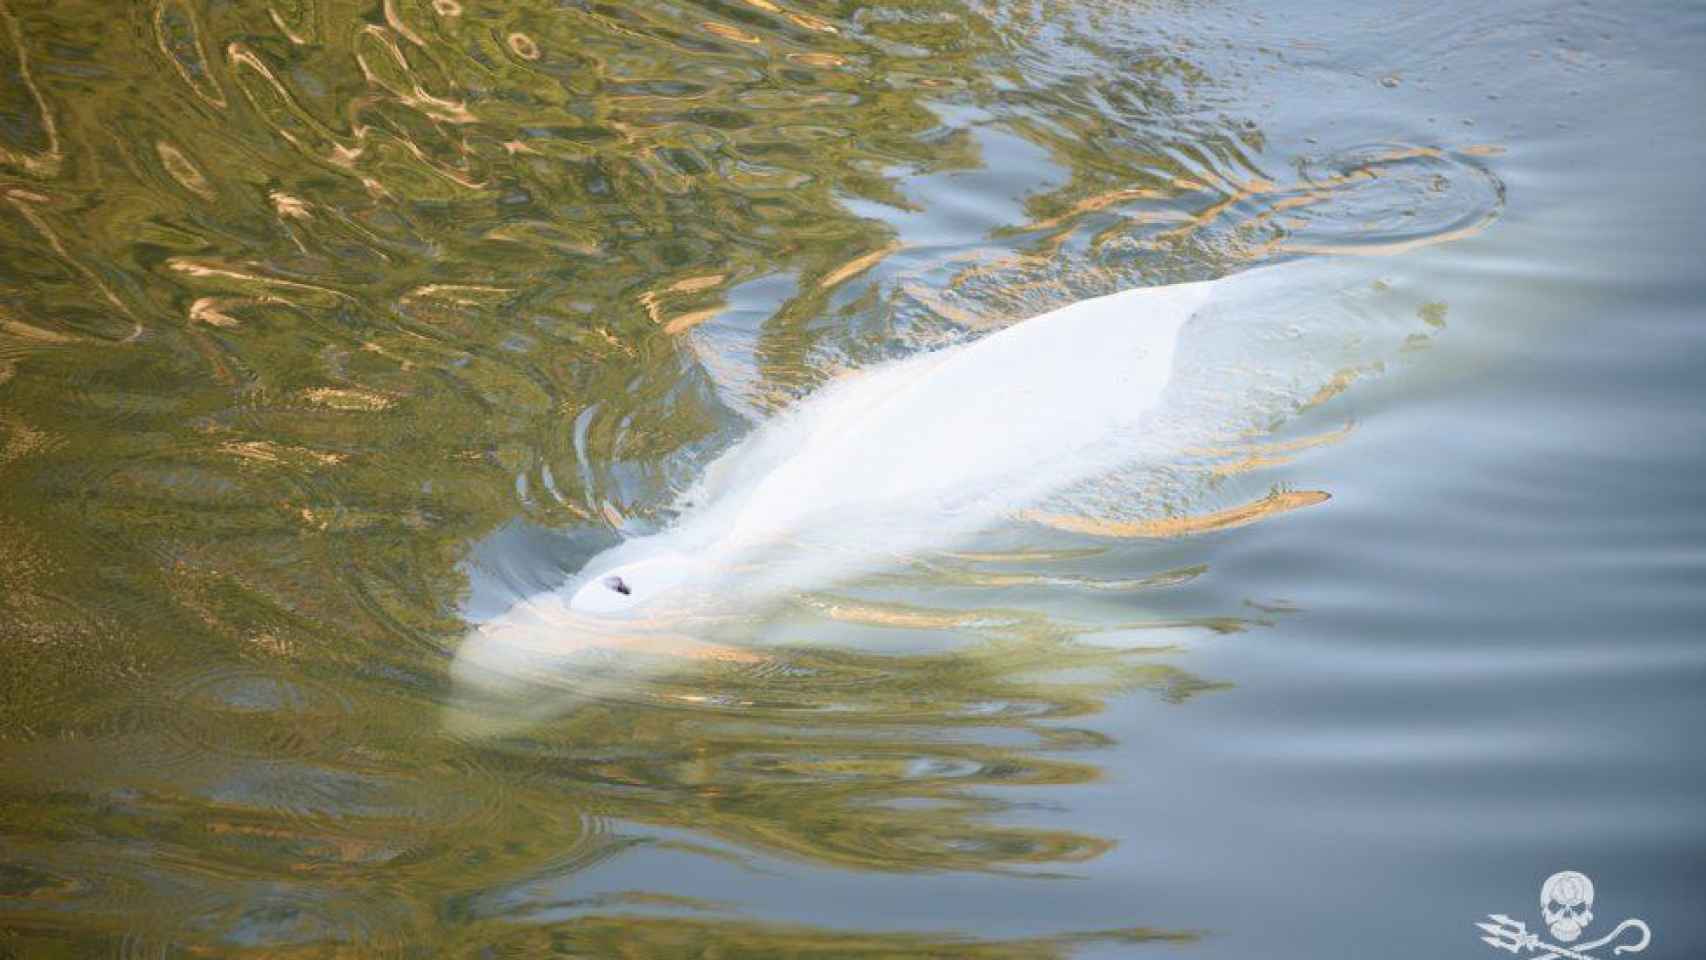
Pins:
<point x="1088" y="404"/>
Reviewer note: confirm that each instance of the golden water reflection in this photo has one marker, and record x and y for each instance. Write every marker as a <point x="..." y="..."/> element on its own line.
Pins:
<point x="300" y="300"/>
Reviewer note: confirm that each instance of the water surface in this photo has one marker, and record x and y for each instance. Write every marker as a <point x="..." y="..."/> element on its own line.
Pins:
<point x="327" y="329"/>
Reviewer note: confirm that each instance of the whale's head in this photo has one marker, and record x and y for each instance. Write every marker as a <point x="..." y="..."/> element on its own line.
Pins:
<point x="639" y="586"/>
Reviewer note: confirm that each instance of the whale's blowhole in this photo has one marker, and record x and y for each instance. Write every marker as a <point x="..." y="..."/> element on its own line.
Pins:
<point x="627" y="588"/>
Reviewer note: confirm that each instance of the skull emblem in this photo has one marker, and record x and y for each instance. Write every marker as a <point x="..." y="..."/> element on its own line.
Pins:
<point x="1566" y="901"/>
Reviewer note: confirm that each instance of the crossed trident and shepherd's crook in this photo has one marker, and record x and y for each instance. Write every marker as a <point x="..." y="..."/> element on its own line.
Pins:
<point x="1507" y="934"/>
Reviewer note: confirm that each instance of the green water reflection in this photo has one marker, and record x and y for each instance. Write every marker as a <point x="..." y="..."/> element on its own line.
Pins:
<point x="299" y="300"/>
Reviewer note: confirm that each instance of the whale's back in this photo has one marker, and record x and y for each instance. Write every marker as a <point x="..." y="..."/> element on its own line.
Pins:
<point x="1011" y="413"/>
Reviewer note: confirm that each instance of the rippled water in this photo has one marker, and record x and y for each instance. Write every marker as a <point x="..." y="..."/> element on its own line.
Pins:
<point x="330" y="329"/>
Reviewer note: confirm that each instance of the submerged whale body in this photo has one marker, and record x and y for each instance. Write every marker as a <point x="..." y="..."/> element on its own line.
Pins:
<point x="913" y="454"/>
<point x="917" y="455"/>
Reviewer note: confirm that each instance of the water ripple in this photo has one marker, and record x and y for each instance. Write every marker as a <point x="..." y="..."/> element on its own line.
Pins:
<point x="241" y="713"/>
<point x="1383" y="200"/>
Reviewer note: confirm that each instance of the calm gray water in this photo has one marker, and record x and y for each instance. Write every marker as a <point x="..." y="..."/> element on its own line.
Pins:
<point x="1360" y="728"/>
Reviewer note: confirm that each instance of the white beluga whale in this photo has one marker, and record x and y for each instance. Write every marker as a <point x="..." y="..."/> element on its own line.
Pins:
<point x="920" y="454"/>
<point x="909" y="455"/>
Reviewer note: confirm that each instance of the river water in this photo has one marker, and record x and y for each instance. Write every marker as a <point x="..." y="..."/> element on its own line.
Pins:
<point x="330" y="330"/>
